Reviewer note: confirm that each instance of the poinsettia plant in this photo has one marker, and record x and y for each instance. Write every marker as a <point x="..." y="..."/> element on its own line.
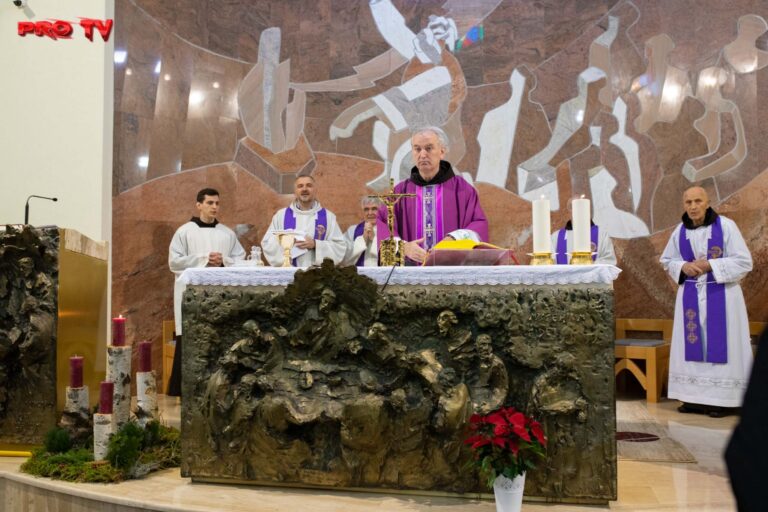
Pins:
<point x="505" y="442"/>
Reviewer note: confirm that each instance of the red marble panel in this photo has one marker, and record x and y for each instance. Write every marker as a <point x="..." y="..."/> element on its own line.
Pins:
<point x="675" y="143"/>
<point x="580" y="165"/>
<point x="615" y="162"/>
<point x="649" y="164"/>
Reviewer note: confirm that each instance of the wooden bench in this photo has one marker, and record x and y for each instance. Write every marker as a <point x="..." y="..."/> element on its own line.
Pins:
<point x="654" y="353"/>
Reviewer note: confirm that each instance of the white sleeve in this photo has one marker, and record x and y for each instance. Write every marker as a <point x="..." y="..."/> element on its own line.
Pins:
<point x="236" y="252"/>
<point x="355" y="246"/>
<point x="270" y="245"/>
<point x="465" y="234"/>
<point x="737" y="261"/>
<point x="179" y="258"/>
<point x="671" y="259"/>
<point x="605" y="252"/>
<point x="333" y="246"/>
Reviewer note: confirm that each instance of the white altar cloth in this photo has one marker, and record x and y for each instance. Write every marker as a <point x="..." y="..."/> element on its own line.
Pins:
<point x="499" y="275"/>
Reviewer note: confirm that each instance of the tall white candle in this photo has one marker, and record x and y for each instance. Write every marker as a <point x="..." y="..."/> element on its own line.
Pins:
<point x="541" y="226"/>
<point x="581" y="225"/>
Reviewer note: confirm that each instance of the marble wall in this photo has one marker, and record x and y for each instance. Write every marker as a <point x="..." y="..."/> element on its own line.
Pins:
<point x="626" y="102"/>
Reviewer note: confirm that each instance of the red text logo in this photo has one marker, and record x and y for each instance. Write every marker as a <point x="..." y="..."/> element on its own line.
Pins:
<point x="61" y="29"/>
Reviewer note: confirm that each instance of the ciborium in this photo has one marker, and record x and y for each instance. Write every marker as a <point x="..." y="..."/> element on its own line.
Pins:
<point x="286" y="242"/>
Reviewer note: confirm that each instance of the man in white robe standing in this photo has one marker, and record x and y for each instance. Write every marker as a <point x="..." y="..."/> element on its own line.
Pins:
<point x="711" y="354"/>
<point x="323" y="237"/>
<point x="201" y="242"/>
<point x="362" y="243"/>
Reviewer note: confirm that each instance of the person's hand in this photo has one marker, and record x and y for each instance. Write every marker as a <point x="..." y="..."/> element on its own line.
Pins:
<point x="414" y="251"/>
<point x="691" y="269"/>
<point x="368" y="232"/>
<point x="215" y="259"/>
<point x="703" y="266"/>
<point x="308" y="243"/>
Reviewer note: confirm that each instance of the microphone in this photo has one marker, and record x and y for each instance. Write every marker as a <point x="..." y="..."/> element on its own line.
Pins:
<point x="26" y="206"/>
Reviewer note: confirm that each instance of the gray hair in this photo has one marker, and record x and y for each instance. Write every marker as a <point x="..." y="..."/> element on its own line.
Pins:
<point x="370" y="200"/>
<point x="439" y="133"/>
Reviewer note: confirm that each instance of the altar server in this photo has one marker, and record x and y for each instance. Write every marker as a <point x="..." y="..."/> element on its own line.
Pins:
<point x="711" y="353"/>
<point x="323" y="237"/>
<point x="362" y="244"/>
<point x="201" y="242"/>
<point x="446" y="206"/>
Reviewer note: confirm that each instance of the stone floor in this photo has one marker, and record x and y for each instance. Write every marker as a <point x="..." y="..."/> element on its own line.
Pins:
<point x="643" y="486"/>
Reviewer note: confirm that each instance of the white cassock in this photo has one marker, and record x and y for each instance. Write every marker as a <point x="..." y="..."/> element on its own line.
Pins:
<point x="356" y="246"/>
<point x="331" y="246"/>
<point x="605" y="252"/>
<point x="190" y="247"/>
<point x="712" y="383"/>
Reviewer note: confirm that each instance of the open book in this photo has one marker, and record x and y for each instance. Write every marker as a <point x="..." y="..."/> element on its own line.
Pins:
<point x="469" y="253"/>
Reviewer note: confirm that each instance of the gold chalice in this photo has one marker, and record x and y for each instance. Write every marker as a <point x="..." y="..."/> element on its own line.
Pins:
<point x="286" y="242"/>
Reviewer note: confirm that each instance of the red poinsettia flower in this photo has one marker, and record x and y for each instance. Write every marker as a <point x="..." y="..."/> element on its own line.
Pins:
<point x="538" y="432"/>
<point x="505" y="441"/>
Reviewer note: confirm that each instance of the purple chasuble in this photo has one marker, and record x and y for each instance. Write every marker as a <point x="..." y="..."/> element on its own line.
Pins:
<point x="435" y="211"/>
<point x="562" y="245"/>
<point x="717" y="347"/>
<point x="358" y="232"/>
<point x="321" y="224"/>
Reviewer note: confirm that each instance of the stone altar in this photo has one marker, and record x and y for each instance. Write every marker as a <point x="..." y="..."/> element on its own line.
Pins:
<point x="339" y="380"/>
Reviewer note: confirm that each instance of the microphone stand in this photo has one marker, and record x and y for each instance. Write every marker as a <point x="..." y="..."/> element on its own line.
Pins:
<point x="26" y="206"/>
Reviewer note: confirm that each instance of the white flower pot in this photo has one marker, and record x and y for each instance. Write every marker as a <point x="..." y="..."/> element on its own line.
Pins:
<point x="509" y="493"/>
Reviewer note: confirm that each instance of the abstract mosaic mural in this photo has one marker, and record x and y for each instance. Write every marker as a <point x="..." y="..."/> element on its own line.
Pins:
<point x="626" y="102"/>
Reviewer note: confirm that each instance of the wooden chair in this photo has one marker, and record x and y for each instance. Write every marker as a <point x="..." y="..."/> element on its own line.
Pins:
<point x="169" y="349"/>
<point x="654" y="352"/>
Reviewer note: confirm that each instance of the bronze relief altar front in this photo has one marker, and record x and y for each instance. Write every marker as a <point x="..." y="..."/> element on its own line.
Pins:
<point x="333" y="382"/>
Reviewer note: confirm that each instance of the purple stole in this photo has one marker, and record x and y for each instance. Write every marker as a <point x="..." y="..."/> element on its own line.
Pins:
<point x="429" y="225"/>
<point x="562" y="245"/>
<point x="321" y="224"/>
<point x="358" y="232"/>
<point x="717" y="336"/>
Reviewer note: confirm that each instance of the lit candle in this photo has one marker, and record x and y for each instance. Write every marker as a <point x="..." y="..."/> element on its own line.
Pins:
<point x="581" y="225"/>
<point x="541" y="226"/>
<point x="76" y="371"/>
<point x="118" y="331"/>
<point x="106" y="390"/>
<point x="145" y="356"/>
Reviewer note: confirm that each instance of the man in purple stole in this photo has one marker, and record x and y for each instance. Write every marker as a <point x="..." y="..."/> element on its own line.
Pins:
<point x="322" y="236"/>
<point x="602" y="245"/>
<point x="446" y="206"/>
<point x="711" y="354"/>
<point x="362" y="243"/>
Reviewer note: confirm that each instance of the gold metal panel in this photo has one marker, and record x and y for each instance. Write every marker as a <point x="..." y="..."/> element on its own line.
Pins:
<point x="82" y="319"/>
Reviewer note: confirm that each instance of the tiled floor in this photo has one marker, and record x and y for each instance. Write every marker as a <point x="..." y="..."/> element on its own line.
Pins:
<point x="643" y="486"/>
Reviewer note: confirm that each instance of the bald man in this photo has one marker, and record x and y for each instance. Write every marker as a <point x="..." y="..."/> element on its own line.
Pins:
<point x="711" y="355"/>
<point x="323" y="237"/>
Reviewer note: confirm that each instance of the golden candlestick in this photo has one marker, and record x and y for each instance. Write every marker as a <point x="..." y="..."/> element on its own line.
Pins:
<point x="581" y="258"/>
<point x="286" y="242"/>
<point x="542" y="258"/>
<point x="391" y="252"/>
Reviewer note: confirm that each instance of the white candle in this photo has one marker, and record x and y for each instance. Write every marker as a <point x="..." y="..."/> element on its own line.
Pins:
<point x="541" y="226"/>
<point x="581" y="225"/>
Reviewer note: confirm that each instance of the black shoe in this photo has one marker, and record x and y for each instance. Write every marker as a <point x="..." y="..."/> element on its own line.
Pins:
<point x="718" y="412"/>
<point x="687" y="409"/>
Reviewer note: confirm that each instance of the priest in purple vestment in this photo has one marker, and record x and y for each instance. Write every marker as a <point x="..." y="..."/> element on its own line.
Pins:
<point x="446" y="206"/>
